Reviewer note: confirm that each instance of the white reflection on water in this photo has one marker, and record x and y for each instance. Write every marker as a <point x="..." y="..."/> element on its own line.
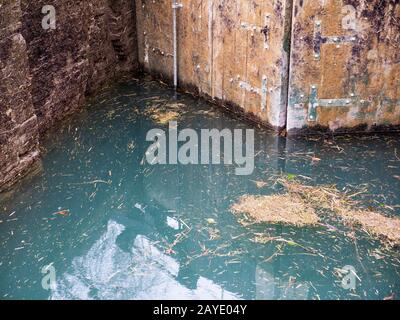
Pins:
<point x="107" y="272"/>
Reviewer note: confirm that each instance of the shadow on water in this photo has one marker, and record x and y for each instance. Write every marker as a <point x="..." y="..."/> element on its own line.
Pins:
<point x="135" y="231"/>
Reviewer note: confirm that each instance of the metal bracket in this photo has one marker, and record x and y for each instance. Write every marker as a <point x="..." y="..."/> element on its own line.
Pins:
<point x="176" y="5"/>
<point x="263" y="91"/>
<point x="314" y="102"/>
<point x="319" y="39"/>
<point x="264" y="29"/>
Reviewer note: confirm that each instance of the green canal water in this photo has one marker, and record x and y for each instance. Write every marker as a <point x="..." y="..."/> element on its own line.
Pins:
<point x="135" y="231"/>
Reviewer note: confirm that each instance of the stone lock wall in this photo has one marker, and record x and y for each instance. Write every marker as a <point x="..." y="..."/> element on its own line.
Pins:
<point x="46" y="74"/>
<point x="93" y="42"/>
<point x="18" y="121"/>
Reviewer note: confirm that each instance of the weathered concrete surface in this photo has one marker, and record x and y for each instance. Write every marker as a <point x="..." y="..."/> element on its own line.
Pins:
<point x="345" y="65"/>
<point x="234" y="51"/>
<point x="18" y="124"/>
<point x="46" y="74"/>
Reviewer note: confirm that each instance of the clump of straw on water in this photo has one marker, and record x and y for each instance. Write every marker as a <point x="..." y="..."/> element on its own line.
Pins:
<point x="348" y="209"/>
<point x="275" y="209"/>
<point x="299" y="207"/>
<point x="376" y="224"/>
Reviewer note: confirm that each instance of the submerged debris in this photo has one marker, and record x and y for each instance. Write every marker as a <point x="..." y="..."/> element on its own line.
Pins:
<point x="165" y="117"/>
<point x="64" y="213"/>
<point x="163" y="114"/>
<point x="213" y="233"/>
<point x="262" y="238"/>
<point x="274" y="209"/>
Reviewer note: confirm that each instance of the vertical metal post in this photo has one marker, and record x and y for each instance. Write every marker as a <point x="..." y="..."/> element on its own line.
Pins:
<point x="175" y="6"/>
